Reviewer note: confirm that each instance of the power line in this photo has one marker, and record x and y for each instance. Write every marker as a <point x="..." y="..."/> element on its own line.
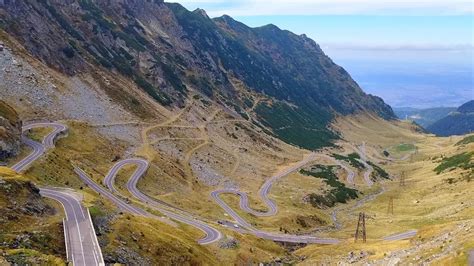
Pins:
<point x="390" y="206"/>
<point x="402" y="179"/>
<point x="360" y="230"/>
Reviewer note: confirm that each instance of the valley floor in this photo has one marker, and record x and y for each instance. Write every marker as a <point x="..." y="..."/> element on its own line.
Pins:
<point x="438" y="207"/>
<point x="431" y="220"/>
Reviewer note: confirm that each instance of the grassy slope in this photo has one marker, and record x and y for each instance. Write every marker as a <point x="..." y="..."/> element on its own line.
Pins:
<point x="466" y="140"/>
<point x="95" y="156"/>
<point x="84" y="147"/>
<point x="167" y="180"/>
<point x="8" y="112"/>
<point x="427" y="203"/>
<point x="42" y="238"/>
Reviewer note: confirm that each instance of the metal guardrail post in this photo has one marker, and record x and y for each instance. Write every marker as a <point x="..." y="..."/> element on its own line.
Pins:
<point x="66" y="239"/>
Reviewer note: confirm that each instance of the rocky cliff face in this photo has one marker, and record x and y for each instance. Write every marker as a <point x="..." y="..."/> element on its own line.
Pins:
<point x="293" y="87"/>
<point x="10" y="131"/>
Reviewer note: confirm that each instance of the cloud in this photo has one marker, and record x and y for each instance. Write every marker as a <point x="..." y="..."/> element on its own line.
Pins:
<point x="401" y="47"/>
<point x="332" y="7"/>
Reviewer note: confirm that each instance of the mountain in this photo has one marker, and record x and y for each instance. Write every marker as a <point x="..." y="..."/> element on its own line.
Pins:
<point x="423" y="117"/>
<point x="456" y="123"/>
<point x="150" y="123"/>
<point x="295" y="90"/>
<point x="10" y="129"/>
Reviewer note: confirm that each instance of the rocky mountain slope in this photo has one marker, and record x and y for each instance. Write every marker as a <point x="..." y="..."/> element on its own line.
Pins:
<point x="168" y="51"/>
<point x="206" y="103"/>
<point x="10" y="131"/>
<point x="456" y="123"/>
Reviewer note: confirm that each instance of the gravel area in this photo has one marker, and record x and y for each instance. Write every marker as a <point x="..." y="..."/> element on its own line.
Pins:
<point x="444" y="242"/>
<point x="170" y="148"/>
<point x="211" y="177"/>
<point x="37" y="87"/>
<point x="127" y="133"/>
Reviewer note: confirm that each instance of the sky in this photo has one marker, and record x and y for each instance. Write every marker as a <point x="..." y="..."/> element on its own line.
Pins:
<point x="417" y="53"/>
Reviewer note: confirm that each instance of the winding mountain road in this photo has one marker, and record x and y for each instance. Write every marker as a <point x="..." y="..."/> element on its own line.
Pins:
<point x="211" y="234"/>
<point x="38" y="148"/>
<point x="265" y="189"/>
<point x="82" y="246"/>
<point x="121" y="204"/>
<point x="367" y="173"/>
<point x="350" y="174"/>
<point x="271" y="206"/>
<point x="81" y="242"/>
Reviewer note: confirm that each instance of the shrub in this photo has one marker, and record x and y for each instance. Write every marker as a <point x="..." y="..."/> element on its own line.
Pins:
<point x="462" y="161"/>
<point x="351" y="158"/>
<point x="68" y="51"/>
<point x="466" y="140"/>
<point x="339" y="192"/>
<point x="303" y="127"/>
<point x="379" y="170"/>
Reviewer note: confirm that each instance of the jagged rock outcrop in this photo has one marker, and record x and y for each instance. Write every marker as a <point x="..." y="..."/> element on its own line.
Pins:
<point x="10" y="131"/>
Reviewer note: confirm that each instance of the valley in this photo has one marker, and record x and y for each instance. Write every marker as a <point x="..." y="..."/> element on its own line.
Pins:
<point x="141" y="133"/>
<point x="395" y="240"/>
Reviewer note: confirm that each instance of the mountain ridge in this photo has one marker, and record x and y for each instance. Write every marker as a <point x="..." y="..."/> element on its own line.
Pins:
<point x="167" y="51"/>
<point x="456" y="123"/>
<point x="424" y="117"/>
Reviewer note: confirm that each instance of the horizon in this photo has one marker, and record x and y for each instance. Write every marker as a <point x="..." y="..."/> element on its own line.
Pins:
<point x="397" y="52"/>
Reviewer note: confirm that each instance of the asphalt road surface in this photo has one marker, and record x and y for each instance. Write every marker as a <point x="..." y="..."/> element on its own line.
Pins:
<point x="142" y="166"/>
<point x="367" y="173"/>
<point x="121" y="204"/>
<point x="470" y="260"/>
<point x="82" y="245"/>
<point x="400" y="236"/>
<point x="350" y="174"/>
<point x="272" y="208"/>
<point x="38" y="148"/>
<point x="81" y="242"/>
<point x="211" y="234"/>
<point x="265" y="189"/>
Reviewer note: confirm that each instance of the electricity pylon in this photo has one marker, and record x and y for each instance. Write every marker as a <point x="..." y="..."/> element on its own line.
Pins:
<point x="360" y="230"/>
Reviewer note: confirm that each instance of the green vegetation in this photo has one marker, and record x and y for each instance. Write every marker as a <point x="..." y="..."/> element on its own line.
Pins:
<point x="61" y="20"/>
<point x="238" y="109"/>
<point x="68" y="51"/>
<point x="96" y="211"/>
<point x="202" y="84"/>
<point x="170" y="75"/>
<point x="466" y="140"/>
<point x="339" y="192"/>
<point x="302" y="127"/>
<point x="405" y="147"/>
<point x="121" y="59"/>
<point x="31" y="257"/>
<point x="152" y="91"/>
<point x="30" y="233"/>
<point x="379" y="170"/>
<point x="351" y="158"/>
<point x="248" y="102"/>
<point x="462" y="160"/>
